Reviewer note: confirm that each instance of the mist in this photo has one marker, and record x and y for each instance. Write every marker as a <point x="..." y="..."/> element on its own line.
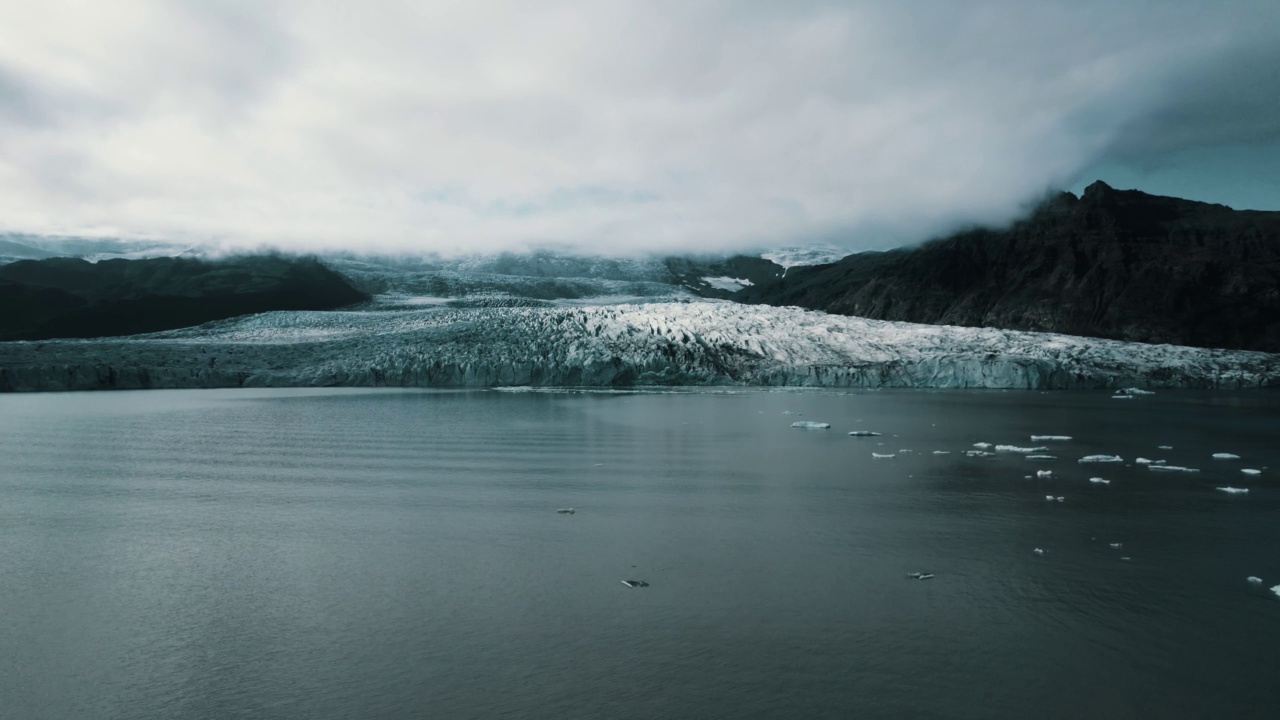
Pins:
<point x="601" y="127"/>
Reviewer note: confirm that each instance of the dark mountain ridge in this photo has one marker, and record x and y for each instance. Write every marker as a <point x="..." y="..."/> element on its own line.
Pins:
<point x="73" y="298"/>
<point x="1111" y="263"/>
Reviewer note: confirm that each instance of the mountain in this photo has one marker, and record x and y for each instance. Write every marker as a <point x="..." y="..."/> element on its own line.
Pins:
<point x="73" y="298"/>
<point x="616" y="346"/>
<point x="1111" y="263"/>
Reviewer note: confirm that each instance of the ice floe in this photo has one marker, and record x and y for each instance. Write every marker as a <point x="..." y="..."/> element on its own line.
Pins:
<point x="864" y="433"/>
<point x="941" y="452"/>
<point x="565" y="511"/>
<point x="979" y="453"/>
<point x="1101" y="459"/>
<point x="1121" y="397"/>
<point x="982" y="445"/>
<point x="1250" y="471"/>
<point x="635" y="583"/>
<point x="1038" y="551"/>
<point x="1050" y="438"/>
<point x="1225" y="456"/>
<point x="1134" y="391"/>
<point x="1276" y="590"/>
<point x="1116" y="546"/>
<point x="1044" y="473"/>
<point x="883" y="456"/>
<point x="1164" y="447"/>
<point x="810" y="425"/>
<point x="1234" y="490"/>
<point x="1023" y="450"/>
<point x="1149" y="461"/>
<point x="1054" y="498"/>
<point x="1099" y="481"/>
<point x="1042" y="457"/>
<point x="1172" y="468"/>
<point x="1254" y="579"/>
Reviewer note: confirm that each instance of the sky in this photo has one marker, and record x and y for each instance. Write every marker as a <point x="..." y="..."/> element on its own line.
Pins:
<point x="618" y="127"/>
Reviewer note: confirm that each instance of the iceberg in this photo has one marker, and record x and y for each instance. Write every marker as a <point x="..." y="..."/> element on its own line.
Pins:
<point x="1016" y="449"/>
<point x="1164" y="447"/>
<point x="1044" y="473"/>
<point x="1042" y="457"/>
<point x="1038" y="551"/>
<point x="1250" y="471"/>
<point x="565" y="511"/>
<point x="1234" y="490"/>
<point x="1172" y="468"/>
<point x="1255" y="580"/>
<point x="1099" y="481"/>
<point x="1276" y="590"/>
<point x="1052" y="498"/>
<point x="1050" y="438"/>
<point x="810" y="425"/>
<point x="883" y="456"/>
<point x="941" y="452"/>
<point x="1116" y="546"/>
<point x="982" y="445"/>
<point x="979" y="453"/>
<point x="635" y="583"/>
<point x="864" y="433"/>
<point x="1225" y="456"/>
<point x="1101" y="459"/>
<point x="1135" y="391"/>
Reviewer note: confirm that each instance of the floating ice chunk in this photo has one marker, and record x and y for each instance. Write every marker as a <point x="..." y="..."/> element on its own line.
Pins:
<point x="1276" y="590"/>
<point x="810" y="425"/>
<point x="1101" y="459"/>
<point x="635" y="583"/>
<point x="1135" y="391"/>
<point x="1254" y="579"/>
<point x="1121" y="397"/>
<point x="979" y="453"/>
<point x="1116" y="546"/>
<point x="1038" y="551"/>
<point x="1234" y="490"/>
<point x="864" y="433"/>
<point x="1171" y="468"/>
<point x="1250" y="471"/>
<point x="1044" y="473"/>
<point x="1164" y="447"/>
<point x="1042" y="457"/>
<point x="565" y="511"/>
<point x="883" y="456"/>
<point x="1143" y="461"/>
<point x="1225" y="456"/>
<point x="904" y="451"/>
<point x="1099" y="481"/>
<point x="1060" y="498"/>
<point x="1125" y="558"/>
<point x="1016" y="449"/>
<point x="941" y="452"/>
<point x="929" y="576"/>
<point x="982" y="446"/>
<point x="1050" y="438"/>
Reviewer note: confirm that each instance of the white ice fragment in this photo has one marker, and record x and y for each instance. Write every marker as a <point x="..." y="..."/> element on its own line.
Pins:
<point x="1135" y="391"/>
<point x="1038" y="551"/>
<point x="982" y="446"/>
<point x="884" y="456"/>
<point x="1225" y="456"/>
<point x="1050" y="438"/>
<point x="1250" y="471"/>
<point x="565" y="511"/>
<point x="1060" y="498"/>
<point x="1164" y="447"/>
<point x="1121" y="397"/>
<point x="1044" y="473"/>
<point x="1042" y="457"/>
<point x="979" y="453"/>
<point x="1125" y="558"/>
<point x="1116" y="546"/>
<point x="1234" y="490"/>
<point x="1143" y="461"/>
<point x="1016" y="449"/>
<point x="1276" y="590"/>
<point x="1254" y="579"/>
<point x="864" y="433"/>
<point x="1101" y="459"/>
<point x="635" y="583"/>
<point x="904" y="451"/>
<point x="1171" y="468"/>
<point x="941" y="452"/>
<point x="810" y="425"/>
<point x="1099" y="481"/>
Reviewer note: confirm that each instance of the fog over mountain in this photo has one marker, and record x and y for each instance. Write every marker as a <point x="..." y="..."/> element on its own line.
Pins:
<point x="606" y="127"/>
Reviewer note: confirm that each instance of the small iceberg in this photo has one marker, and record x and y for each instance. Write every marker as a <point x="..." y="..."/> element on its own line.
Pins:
<point x="635" y="583"/>
<point x="941" y="452"/>
<point x="1101" y="459"/>
<point x="1044" y="473"/>
<point x="1050" y="438"/>
<point x="1134" y="391"/>
<point x="1042" y="457"/>
<point x="1038" y="551"/>
<point x="1164" y="447"/>
<point x="565" y="511"/>
<point x="904" y="451"/>
<point x="1250" y="471"/>
<point x="982" y="446"/>
<point x="1099" y="481"/>
<point x="1276" y="590"/>
<point x="1254" y="580"/>
<point x="810" y="425"/>
<point x="979" y="453"/>
<point x="1121" y="397"/>
<point x="883" y="456"/>
<point x="1234" y="490"/>
<point x="1225" y="456"/>
<point x="929" y="576"/>
<point x="1116" y="546"/>
<point x="1051" y="498"/>
<point x="1171" y="468"/>
<point x="864" y="433"/>
<point x="1023" y="450"/>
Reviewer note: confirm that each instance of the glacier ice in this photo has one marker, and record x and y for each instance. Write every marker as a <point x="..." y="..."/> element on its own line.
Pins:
<point x="626" y="345"/>
<point x="1101" y="459"/>
<point x="810" y="425"/>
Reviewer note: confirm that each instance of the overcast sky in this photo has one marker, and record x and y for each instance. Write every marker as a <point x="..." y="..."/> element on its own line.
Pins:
<point x="618" y="126"/>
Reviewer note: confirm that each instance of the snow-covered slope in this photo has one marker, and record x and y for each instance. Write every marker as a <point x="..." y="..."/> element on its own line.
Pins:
<point x="696" y="343"/>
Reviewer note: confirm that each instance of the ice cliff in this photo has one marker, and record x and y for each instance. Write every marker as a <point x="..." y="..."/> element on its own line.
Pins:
<point x="691" y="343"/>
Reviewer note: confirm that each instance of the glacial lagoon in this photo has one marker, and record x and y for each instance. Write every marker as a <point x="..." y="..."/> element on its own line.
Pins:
<point x="336" y="553"/>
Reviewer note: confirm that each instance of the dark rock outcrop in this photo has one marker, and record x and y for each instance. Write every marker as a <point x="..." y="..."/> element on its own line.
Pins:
<point x="72" y="298"/>
<point x="1112" y="263"/>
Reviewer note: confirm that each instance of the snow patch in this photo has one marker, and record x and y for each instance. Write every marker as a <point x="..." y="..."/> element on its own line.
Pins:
<point x="727" y="283"/>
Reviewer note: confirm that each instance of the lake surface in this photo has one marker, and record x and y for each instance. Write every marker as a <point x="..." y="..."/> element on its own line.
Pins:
<point x="392" y="554"/>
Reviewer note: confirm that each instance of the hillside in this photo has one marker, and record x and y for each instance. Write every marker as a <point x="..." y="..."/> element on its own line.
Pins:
<point x="1112" y="263"/>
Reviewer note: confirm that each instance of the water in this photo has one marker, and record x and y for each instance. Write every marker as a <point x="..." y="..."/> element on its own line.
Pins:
<point x="338" y="554"/>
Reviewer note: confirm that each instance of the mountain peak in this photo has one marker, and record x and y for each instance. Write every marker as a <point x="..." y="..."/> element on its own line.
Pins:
<point x="1097" y="189"/>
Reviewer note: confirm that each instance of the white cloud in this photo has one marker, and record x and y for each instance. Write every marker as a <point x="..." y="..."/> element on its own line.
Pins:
<point x="603" y="126"/>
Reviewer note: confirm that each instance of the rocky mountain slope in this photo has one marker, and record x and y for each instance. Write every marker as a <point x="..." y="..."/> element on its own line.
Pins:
<point x="1112" y="263"/>
<point x="67" y="297"/>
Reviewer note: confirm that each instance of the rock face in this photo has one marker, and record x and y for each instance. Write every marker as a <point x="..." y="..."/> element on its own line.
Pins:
<point x="1112" y="263"/>
<point x="73" y="298"/>
<point x="695" y="343"/>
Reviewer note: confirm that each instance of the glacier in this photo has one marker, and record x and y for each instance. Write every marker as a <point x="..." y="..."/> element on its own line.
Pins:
<point x="701" y="343"/>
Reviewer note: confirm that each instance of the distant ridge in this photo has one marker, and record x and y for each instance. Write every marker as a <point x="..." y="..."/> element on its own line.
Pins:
<point x="1119" y="264"/>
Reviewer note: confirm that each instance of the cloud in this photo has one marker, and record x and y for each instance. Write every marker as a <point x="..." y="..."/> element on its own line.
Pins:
<point x="600" y="126"/>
